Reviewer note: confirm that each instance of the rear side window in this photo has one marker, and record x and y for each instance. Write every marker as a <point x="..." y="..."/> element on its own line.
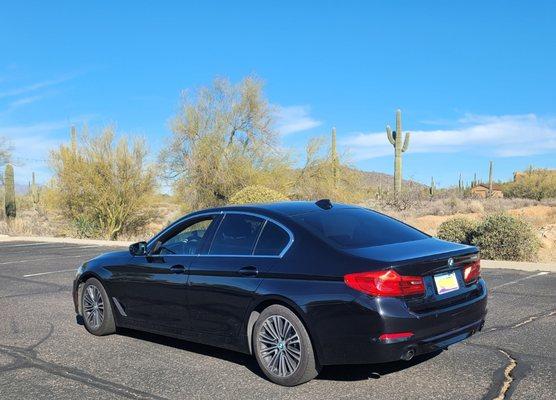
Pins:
<point x="272" y="241"/>
<point x="236" y="235"/>
<point x="358" y="227"/>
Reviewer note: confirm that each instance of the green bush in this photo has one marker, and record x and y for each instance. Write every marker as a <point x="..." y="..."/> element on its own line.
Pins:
<point x="503" y="237"/>
<point x="256" y="194"/>
<point x="459" y="230"/>
<point x="498" y="236"/>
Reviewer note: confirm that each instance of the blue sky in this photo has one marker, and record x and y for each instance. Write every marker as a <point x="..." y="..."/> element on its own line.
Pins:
<point x="475" y="80"/>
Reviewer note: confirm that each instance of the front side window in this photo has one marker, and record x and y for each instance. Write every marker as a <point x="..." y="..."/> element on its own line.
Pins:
<point x="187" y="240"/>
<point x="236" y="235"/>
<point x="273" y="240"/>
<point x="358" y="227"/>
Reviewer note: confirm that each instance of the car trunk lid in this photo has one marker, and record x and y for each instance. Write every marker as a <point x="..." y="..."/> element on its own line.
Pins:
<point x="426" y="258"/>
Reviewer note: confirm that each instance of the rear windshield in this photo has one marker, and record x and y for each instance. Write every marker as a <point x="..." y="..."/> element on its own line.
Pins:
<point x="358" y="227"/>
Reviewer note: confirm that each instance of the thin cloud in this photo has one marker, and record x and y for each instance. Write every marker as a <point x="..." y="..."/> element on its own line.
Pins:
<point x="292" y="119"/>
<point x="31" y="145"/>
<point x="501" y="136"/>
<point x="36" y="86"/>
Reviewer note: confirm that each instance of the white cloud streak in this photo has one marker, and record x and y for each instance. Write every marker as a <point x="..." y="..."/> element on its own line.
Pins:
<point x="500" y="136"/>
<point x="292" y="119"/>
<point x="35" y="86"/>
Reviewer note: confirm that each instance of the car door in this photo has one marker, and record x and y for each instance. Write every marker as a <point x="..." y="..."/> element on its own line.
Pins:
<point x="223" y="281"/>
<point x="154" y="295"/>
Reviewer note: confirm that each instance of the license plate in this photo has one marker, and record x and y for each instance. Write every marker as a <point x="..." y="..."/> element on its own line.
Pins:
<point x="446" y="283"/>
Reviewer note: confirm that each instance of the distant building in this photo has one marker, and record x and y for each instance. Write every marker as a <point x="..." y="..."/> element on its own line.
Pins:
<point x="481" y="190"/>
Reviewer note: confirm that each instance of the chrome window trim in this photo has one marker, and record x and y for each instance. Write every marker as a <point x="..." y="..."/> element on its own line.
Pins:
<point x="180" y="221"/>
<point x="266" y="219"/>
<point x="216" y="213"/>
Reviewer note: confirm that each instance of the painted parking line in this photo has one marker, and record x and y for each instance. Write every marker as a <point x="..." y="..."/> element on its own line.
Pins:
<point x="519" y="280"/>
<point x="24" y="244"/>
<point x="45" y="259"/>
<point x="43" y="250"/>
<point x="47" y="246"/>
<point x="50" y="272"/>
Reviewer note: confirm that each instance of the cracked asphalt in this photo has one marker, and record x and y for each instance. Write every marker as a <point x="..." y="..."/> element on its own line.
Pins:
<point x="45" y="354"/>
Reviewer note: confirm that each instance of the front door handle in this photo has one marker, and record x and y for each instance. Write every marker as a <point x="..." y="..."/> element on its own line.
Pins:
<point x="177" y="269"/>
<point x="248" y="271"/>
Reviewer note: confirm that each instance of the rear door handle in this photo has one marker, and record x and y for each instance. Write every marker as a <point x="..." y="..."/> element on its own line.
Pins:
<point x="248" y="271"/>
<point x="177" y="269"/>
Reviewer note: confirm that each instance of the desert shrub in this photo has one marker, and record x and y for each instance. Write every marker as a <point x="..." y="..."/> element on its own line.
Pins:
<point x="104" y="187"/>
<point x="503" y="237"/>
<point x="459" y="230"/>
<point x="327" y="175"/>
<point x="256" y="194"/>
<point x="535" y="184"/>
<point x="474" y="206"/>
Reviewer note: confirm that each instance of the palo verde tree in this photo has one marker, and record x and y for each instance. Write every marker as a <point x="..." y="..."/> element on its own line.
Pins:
<point x="224" y="140"/>
<point x="395" y="138"/>
<point x="326" y="175"/>
<point x="104" y="186"/>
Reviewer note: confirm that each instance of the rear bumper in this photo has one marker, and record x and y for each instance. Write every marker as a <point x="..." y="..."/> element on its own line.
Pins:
<point x="369" y="318"/>
<point x="383" y="352"/>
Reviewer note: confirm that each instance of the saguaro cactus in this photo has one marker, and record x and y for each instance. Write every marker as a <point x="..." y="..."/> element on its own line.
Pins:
<point x="9" y="192"/>
<point x="334" y="158"/>
<point x="490" y="172"/>
<point x="34" y="191"/>
<point x="395" y="139"/>
<point x="432" y="188"/>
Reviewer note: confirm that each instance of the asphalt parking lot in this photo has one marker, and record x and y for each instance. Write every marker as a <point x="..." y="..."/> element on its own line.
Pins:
<point x="44" y="353"/>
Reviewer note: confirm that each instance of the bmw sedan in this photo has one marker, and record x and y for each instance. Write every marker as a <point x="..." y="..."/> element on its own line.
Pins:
<point x="298" y="285"/>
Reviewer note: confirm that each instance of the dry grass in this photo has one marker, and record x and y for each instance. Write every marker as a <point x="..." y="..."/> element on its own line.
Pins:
<point x="51" y="223"/>
<point x="426" y="215"/>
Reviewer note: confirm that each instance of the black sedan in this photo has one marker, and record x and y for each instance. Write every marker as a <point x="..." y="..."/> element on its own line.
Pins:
<point x="297" y="284"/>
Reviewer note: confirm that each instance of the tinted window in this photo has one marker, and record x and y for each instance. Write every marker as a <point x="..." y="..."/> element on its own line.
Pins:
<point x="358" y="227"/>
<point x="272" y="241"/>
<point x="236" y="235"/>
<point x="186" y="240"/>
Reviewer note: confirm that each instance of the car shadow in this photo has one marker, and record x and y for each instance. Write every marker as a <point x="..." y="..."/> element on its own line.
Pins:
<point x="244" y="360"/>
<point x="371" y="371"/>
<point x="329" y="373"/>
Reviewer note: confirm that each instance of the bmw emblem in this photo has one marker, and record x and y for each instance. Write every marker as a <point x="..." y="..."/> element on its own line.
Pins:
<point x="450" y="262"/>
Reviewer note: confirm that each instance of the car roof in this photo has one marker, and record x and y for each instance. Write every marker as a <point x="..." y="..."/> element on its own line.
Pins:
<point x="286" y="208"/>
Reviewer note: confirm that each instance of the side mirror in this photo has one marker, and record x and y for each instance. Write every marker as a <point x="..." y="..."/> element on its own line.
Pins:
<point x="138" y="249"/>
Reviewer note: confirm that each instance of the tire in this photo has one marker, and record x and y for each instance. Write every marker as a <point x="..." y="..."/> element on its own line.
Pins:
<point x="98" y="320"/>
<point x="277" y="350"/>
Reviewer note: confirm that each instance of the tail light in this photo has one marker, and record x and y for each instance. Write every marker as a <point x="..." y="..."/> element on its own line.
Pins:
<point x="472" y="272"/>
<point x="386" y="283"/>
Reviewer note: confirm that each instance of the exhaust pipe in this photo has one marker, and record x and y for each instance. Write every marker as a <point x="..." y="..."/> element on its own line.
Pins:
<point x="408" y="355"/>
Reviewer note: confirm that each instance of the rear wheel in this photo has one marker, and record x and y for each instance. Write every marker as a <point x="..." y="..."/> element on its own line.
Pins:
<point x="96" y="309"/>
<point x="283" y="348"/>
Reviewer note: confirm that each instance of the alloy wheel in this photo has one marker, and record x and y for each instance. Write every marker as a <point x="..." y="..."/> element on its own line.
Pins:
<point x="93" y="307"/>
<point x="279" y="346"/>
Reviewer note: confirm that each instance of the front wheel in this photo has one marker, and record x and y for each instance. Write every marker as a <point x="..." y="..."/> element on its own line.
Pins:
<point x="96" y="309"/>
<point x="283" y="348"/>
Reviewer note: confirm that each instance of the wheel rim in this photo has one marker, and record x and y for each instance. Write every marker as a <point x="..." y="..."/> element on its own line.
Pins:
<point x="93" y="307"/>
<point x="279" y="346"/>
